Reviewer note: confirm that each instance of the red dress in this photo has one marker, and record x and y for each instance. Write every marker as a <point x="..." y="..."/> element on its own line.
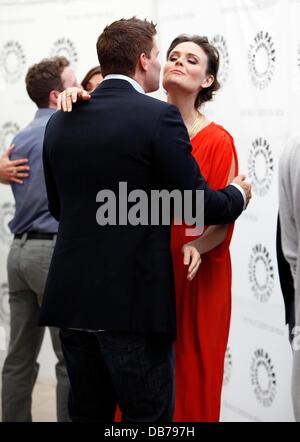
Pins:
<point x="204" y="304"/>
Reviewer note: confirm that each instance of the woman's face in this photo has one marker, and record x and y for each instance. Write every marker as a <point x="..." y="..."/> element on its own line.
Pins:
<point x="93" y="82"/>
<point x="186" y="69"/>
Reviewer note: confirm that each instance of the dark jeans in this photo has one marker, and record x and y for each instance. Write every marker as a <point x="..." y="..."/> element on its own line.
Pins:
<point x="134" y="371"/>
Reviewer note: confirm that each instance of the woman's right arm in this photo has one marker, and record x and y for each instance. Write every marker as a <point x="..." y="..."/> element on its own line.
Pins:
<point x="69" y="96"/>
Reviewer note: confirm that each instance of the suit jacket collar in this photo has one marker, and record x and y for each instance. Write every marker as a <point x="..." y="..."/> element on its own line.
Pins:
<point x="114" y="85"/>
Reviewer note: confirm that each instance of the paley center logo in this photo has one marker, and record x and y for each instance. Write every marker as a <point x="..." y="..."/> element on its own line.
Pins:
<point x="7" y="132"/>
<point x="261" y="273"/>
<point x="262" y="60"/>
<point x="156" y="207"/>
<point x="7" y="211"/>
<point x="65" y="47"/>
<point x="263" y="378"/>
<point x="261" y="166"/>
<point x="220" y="43"/>
<point x="12" y="61"/>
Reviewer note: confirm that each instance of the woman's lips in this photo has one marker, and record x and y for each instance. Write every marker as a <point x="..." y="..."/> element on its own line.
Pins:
<point x="176" y="71"/>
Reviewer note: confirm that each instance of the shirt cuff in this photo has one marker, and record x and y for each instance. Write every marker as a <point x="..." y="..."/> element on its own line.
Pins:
<point x="242" y="192"/>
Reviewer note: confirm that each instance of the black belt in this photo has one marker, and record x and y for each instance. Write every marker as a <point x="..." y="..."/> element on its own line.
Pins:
<point x="36" y="235"/>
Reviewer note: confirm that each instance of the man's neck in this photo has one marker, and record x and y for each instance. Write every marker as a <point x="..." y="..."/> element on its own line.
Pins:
<point x="141" y="81"/>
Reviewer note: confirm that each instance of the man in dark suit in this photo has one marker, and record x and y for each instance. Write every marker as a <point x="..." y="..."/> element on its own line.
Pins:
<point x="110" y="287"/>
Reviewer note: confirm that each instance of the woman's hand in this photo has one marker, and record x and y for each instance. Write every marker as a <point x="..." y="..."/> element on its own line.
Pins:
<point x="191" y="258"/>
<point x="13" y="171"/>
<point x="69" y="96"/>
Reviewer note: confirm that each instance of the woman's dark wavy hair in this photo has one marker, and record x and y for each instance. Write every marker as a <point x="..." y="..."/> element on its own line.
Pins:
<point x="94" y="71"/>
<point x="212" y="64"/>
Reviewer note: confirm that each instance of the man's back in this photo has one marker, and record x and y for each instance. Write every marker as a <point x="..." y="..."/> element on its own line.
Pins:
<point x="32" y="213"/>
<point x="106" y="141"/>
<point x="125" y="272"/>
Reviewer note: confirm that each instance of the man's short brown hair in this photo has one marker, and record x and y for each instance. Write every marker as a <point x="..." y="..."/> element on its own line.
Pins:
<point x="44" y="77"/>
<point x="121" y="44"/>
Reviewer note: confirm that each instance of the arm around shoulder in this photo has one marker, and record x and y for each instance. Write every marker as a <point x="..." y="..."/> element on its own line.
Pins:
<point x="176" y="168"/>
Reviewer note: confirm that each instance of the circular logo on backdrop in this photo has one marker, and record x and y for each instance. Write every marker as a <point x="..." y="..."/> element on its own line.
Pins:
<point x="220" y="43"/>
<point x="7" y="211"/>
<point x="262" y="60"/>
<point x="263" y="378"/>
<point x="12" y="61"/>
<point x="261" y="273"/>
<point x="227" y="367"/>
<point x="260" y="166"/>
<point x="4" y="305"/>
<point x="64" y="47"/>
<point x="7" y="133"/>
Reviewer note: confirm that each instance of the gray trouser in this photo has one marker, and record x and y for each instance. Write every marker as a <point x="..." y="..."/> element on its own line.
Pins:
<point x="27" y="267"/>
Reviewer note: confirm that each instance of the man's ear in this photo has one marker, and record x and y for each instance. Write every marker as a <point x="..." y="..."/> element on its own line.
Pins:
<point x="208" y="81"/>
<point x="53" y="97"/>
<point x="143" y="62"/>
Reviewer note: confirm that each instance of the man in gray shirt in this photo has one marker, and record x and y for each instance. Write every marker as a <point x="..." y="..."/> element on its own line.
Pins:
<point x="289" y="212"/>
<point x="30" y="254"/>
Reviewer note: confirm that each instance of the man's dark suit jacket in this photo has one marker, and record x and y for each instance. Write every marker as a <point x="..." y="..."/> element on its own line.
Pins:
<point x="118" y="278"/>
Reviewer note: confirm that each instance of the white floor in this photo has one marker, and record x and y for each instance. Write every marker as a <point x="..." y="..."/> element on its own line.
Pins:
<point x="43" y="403"/>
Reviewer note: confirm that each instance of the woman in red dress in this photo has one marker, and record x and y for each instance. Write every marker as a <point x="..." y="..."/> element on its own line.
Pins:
<point x="204" y="303"/>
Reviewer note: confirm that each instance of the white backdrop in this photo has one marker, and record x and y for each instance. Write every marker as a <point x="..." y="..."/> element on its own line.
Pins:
<point x="259" y="42"/>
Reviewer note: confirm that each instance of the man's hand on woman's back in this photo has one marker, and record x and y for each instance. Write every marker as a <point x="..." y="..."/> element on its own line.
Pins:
<point x="240" y="180"/>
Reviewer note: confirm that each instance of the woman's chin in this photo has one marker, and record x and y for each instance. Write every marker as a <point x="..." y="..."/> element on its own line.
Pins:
<point x="172" y="82"/>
